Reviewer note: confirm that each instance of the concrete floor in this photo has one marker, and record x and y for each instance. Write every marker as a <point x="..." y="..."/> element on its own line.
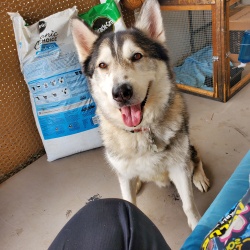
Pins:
<point x="39" y="200"/>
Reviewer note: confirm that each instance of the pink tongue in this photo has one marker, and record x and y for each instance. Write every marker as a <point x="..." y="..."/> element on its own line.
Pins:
<point x="131" y="115"/>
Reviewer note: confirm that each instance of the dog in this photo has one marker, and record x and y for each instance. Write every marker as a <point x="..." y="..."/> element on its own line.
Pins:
<point x="143" y="117"/>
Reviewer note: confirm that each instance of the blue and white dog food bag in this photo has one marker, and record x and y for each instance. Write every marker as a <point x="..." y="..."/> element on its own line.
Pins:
<point x="62" y="105"/>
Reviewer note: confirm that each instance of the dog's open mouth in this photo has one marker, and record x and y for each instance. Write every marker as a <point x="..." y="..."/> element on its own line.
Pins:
<point x="132" y="115"/>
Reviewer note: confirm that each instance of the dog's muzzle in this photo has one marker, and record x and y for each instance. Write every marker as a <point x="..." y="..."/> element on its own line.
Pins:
<point x="131" y="114"/>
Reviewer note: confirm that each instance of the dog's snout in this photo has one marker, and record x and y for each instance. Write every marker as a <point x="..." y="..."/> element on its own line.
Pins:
<point x="122" y="92"/>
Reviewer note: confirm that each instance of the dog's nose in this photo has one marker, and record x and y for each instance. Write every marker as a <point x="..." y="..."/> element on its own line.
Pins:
<point x="122" y="92"/>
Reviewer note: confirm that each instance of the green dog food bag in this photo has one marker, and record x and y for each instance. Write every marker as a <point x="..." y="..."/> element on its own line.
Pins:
<point x="104" y="17"/>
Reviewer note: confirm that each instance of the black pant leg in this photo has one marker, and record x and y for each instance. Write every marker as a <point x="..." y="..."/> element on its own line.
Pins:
<point x="109" y="224"/>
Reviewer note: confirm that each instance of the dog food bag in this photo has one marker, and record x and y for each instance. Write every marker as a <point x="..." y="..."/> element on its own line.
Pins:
<point x="62" y="105"/>
<point x="104" y="17"/>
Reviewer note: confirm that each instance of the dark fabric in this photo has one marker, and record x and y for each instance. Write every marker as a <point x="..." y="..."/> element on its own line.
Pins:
<point x="109" y="224"/>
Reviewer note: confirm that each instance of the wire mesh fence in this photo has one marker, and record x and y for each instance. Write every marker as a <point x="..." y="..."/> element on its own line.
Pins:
<point x="190" y="43"/>
<point x="189" y="39"/>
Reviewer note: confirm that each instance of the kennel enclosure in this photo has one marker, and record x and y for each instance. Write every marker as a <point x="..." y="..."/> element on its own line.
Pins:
<point x="204" y="45"/>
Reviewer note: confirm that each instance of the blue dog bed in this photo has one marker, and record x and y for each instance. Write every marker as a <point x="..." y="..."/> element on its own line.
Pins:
<point x="196" y="69"/>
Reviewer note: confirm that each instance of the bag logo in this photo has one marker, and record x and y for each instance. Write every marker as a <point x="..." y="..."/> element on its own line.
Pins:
<point x="103" y="24"/>
<point x="42" y="26"/>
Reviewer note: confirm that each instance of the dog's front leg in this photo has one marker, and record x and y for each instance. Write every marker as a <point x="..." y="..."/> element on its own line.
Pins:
<point x="182" y="180"/>
<point x="128" y="188"/>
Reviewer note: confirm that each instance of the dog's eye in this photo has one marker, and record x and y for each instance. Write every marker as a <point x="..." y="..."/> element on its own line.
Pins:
<point x="136" y="56"/>
<point x="103" y="65"/>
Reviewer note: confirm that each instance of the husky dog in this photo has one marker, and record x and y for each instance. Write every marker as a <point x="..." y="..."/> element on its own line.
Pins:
<point x="143" y="118"/>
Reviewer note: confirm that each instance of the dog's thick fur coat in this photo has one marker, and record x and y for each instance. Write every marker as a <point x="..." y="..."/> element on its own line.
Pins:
<point x="143" y="118"/>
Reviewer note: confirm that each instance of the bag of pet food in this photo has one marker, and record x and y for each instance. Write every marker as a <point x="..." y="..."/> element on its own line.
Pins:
<point x="104" y="17"/>
<point x="62" y="105"/>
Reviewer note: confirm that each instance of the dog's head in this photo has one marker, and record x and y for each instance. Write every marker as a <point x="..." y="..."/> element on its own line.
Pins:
<point x="128" y="70"/>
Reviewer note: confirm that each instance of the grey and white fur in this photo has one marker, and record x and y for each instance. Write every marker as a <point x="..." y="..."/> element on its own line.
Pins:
<point x="143" y="117"/>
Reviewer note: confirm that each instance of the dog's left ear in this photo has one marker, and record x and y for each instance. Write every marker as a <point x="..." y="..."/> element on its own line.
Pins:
<point x="84" y="38"/>
<point x="150" y="20"/>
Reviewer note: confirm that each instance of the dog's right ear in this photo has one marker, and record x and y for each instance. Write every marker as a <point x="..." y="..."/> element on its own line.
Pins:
<point x="84" y="38"/>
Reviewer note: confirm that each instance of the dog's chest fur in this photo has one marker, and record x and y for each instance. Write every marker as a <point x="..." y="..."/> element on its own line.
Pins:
<point x="144" y="154"/>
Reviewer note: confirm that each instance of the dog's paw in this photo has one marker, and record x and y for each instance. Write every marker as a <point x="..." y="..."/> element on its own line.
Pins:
<point x="201" y="181"/>
<point x="199" y="178"/>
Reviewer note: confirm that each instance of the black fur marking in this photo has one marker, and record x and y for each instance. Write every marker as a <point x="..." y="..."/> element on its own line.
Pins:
<point x="89" y="64"/>
<point x="194" y="155"/>
<point x="89" y="71"/>
<point x="150" y="47"/>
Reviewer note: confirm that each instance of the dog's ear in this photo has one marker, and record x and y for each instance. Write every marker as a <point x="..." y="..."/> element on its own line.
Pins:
<point x="150" y="20"/>
<point x="84" y="38"/>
